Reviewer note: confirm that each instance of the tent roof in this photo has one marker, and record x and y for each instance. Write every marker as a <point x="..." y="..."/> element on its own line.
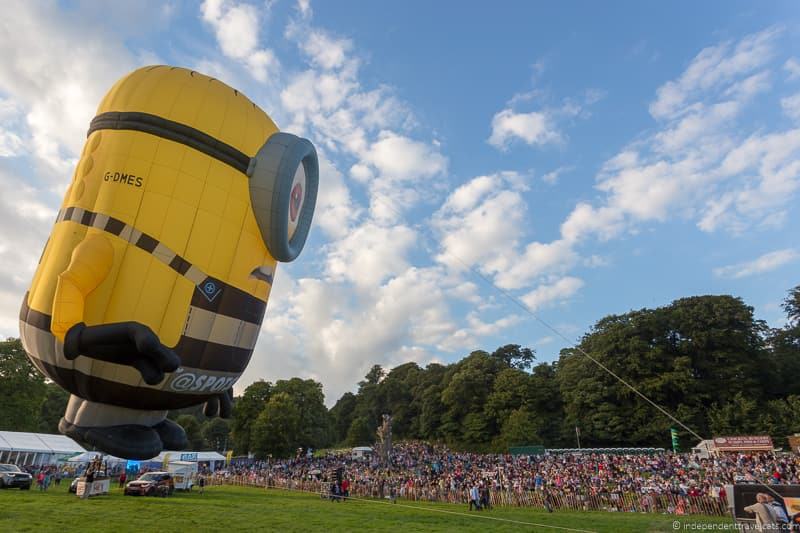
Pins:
<point x="87" y="457"/>
<point x="176" y="456"/>
<point x="38" y="443"/>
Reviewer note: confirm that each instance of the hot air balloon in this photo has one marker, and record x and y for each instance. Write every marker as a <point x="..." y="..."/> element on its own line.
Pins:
<point x="151" y="290"/>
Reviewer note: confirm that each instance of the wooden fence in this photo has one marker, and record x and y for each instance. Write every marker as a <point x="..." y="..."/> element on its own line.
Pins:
<point x="556" y="500"/>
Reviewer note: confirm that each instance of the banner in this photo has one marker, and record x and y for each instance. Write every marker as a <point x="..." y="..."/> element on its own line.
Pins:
<point x="676" y="444"/>
<point x="743" y="443"/>
<point x="165" y="462"/>
<point x="228" y="457"/>
<point x="95" y="488"/>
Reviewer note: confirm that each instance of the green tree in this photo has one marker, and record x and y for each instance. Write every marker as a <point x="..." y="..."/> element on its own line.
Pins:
<point x="785" y="350"/>
<point x="216" y="433"/>
<point x="342" y="414"/>
<point x="739" y="415"/>
<point x="371" y="405"/>
<point x="511" y="390"/>
<point x="22" y="389"/>
<point x="193" y="432"/>
<point x="52" y="409"/>
<point x="245" y="411"/>
<point x="519" y="429"/>
<point x="315" y="427"/>
<point x="396" y="393"/>
<point x="693" y="353"/>
<point x="782" y="418"/>
<point x="547" y="406"/>
<point x="515" y="356"/>
<point x="792" y="306"/>
<point x="467" y="386"/>
<point x="428" y="398"/>
<point x="276" y="430"/>
<point x="360" y="433"/>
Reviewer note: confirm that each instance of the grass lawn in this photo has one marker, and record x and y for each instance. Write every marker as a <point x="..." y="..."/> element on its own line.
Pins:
<point x="249" y="509"/>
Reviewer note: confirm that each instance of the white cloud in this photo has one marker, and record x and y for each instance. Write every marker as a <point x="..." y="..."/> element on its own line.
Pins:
<point x="551" y="293"/>
<point x="791" y="106"/>
<point x="236" y="26"/>
<point x="25" y="221"/>
<point x="335" y="212"/>
<point x="400" y="158"/>
<point x="304" y="7"/>
<point x="479" y="222"/>
<point x="765" y="263"/>
<point x="480" y="225"/>
<point x="534" y="128"/>
<point x="586" y="220"/>
<point x="712" y="67"/>
<point x="514" y="272"/>
<point x="370" y="254"/>
<point x="792" y="67"/>
<point x="697" y="165"/>
<point x="56" y="66"/>
<point x="697" y="122"/>
<point x="770" y="167"/>
<point x="551" y="178"/>
<point x="334" y="335"/>
<point x="326" y="51"/>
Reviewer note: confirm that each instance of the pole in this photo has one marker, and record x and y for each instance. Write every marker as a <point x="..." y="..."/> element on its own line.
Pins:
<point x="578" y="436"/>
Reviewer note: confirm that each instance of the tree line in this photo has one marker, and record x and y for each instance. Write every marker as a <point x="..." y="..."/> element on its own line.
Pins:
<point x="705" y="359"/>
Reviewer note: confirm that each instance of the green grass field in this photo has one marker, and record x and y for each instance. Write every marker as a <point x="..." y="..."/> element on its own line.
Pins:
<point x="249" y="509"/>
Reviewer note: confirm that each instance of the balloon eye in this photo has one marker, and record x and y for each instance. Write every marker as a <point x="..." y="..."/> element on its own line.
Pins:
<point x="284" y="177"/>
<point x="297" y="196"/>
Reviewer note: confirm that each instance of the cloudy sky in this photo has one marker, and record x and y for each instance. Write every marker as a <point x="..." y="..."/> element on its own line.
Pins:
<point x="587" y="158"/>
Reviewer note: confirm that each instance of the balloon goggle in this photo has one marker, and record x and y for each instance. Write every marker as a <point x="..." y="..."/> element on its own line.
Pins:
<point x="283" y="175"/>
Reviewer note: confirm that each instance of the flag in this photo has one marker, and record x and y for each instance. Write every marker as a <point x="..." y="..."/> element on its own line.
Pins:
<point x="166" y="461"/>
<point x="228" y="457"/>
<point x="676" y="445"/>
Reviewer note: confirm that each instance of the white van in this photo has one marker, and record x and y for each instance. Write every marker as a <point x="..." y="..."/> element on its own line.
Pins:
<point x="183" y="474"/>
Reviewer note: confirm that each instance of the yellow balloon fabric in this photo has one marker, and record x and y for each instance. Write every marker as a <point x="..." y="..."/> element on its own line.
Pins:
<point x="156" y="229"/>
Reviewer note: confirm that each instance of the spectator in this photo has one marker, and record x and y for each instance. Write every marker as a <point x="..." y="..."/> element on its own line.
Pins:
<point x="474" y="498"/>
<point x="765" y="520"/>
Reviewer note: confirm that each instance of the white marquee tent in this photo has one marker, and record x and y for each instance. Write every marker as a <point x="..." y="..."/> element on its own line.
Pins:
<point x="35" y="448"/>
<point x="88" y="457"/>
<point x="212" y="458"/>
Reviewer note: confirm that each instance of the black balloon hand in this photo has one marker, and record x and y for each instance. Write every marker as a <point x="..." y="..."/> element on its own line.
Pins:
<point x="222" y="403"/>
<point x="125" y="343"/>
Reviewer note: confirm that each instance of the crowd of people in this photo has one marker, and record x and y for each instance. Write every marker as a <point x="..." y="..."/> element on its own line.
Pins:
<point x="677" y="483"/>
<point x="664" y="482"/>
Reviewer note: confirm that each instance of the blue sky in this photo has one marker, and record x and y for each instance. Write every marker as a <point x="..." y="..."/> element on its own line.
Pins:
<point x="588" y="158"/>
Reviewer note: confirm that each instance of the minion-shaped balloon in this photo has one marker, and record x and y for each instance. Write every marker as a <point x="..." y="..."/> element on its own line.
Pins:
<point x="152" y="287"/>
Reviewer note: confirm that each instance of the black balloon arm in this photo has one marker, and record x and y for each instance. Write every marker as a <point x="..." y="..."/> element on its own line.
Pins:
<point x="127" y="343"/>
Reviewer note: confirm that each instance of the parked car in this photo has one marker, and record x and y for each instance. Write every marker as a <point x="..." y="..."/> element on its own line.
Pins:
<point x="151" y="484"/>
<point x="12" y="476"/>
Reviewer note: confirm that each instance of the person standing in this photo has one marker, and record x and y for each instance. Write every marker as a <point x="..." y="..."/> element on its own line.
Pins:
<point x="474" y="498"/>
<point x="201" y="482"/>
<point x="485" y="498"/>
<point x="765" y="521"/>
<point x="88" y="481"/>
<point x="122" y="478"/>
